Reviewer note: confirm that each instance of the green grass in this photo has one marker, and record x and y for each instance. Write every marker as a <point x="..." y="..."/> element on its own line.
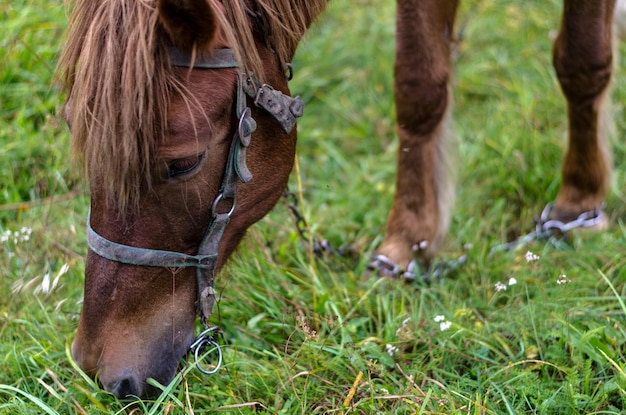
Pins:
<point x="308" y="335"/>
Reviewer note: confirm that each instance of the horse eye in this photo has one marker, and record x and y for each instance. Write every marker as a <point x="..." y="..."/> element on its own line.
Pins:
<point x="184" y="166"/>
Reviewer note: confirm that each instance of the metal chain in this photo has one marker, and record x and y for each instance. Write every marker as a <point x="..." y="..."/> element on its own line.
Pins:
<point x="379" y="263"/>
<point x="545" y="229"/>
<point x="318" y="246"/>
<point x="436" y="271"/>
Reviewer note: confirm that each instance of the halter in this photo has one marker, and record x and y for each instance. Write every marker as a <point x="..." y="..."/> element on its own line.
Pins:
<point x="285" y="110"/>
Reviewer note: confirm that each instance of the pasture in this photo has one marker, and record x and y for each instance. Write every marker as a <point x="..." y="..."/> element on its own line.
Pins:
<point x="537" y="330"/>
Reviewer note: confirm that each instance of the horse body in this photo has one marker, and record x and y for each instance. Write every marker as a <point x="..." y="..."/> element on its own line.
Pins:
<point x="156" y="138"/>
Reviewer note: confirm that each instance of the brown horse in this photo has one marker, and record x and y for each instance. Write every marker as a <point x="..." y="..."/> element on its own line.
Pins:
<point x="181" y="112"/>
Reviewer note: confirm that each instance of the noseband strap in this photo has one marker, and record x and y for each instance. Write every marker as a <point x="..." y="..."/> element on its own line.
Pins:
<point x="126" y="254"/>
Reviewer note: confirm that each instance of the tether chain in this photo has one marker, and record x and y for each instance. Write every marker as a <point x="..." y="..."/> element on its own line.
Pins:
<point x="545" y="229"/>
<point x="318" y="246"/>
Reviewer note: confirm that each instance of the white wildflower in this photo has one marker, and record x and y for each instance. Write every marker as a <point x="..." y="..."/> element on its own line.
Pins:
<point x="391" y="349"/>
<point x="531" y="257"/>
<point x="500" y="287"/>
<point x="512" y="281"/>
<point x="16" y="236"/>
<point x="25" y="234"/>
<point x="439" y="318"/>
<point x="445" y="325"/>
<point x="563" y="279"/>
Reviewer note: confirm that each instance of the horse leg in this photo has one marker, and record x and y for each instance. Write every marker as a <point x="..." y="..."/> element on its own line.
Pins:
<point x="582" y="58"/>
<point x="419" y="216"/>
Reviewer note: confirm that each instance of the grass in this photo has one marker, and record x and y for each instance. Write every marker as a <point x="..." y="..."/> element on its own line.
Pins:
<point x="310" y="335"/>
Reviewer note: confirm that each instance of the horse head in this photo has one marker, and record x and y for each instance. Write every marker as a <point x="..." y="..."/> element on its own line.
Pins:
<point x="168" y="146"/>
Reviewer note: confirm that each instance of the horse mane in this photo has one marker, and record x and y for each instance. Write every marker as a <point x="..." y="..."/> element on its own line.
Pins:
<point x="118" y="81"/>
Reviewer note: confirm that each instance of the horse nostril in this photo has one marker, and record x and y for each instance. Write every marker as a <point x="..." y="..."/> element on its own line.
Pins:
<point x="125" y="388"/>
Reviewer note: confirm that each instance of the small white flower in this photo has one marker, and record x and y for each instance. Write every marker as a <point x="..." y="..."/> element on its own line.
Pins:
<point x="445" y="325"/>
<point x="500" y="287"/>
<point x="531" y="257"/>
<point x="391" y="349"/>
<point x="16" y="236"/>
<point x="439" y="318"/>
<point x="563" y="279"/>
<point x="25" y="234"/>
<point x="512" y="281"/>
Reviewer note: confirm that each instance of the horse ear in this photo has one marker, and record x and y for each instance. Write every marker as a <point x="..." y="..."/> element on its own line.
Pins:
<point x="190" y="23"/>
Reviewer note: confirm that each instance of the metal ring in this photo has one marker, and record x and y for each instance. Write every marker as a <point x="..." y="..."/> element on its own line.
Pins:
<point x="217" y="201"/>
<point x="203" y="341"/>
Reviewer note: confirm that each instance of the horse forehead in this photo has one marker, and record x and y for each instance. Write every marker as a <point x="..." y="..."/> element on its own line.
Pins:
<point x="205" y="86"/>
<point x="200" y="112"/>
